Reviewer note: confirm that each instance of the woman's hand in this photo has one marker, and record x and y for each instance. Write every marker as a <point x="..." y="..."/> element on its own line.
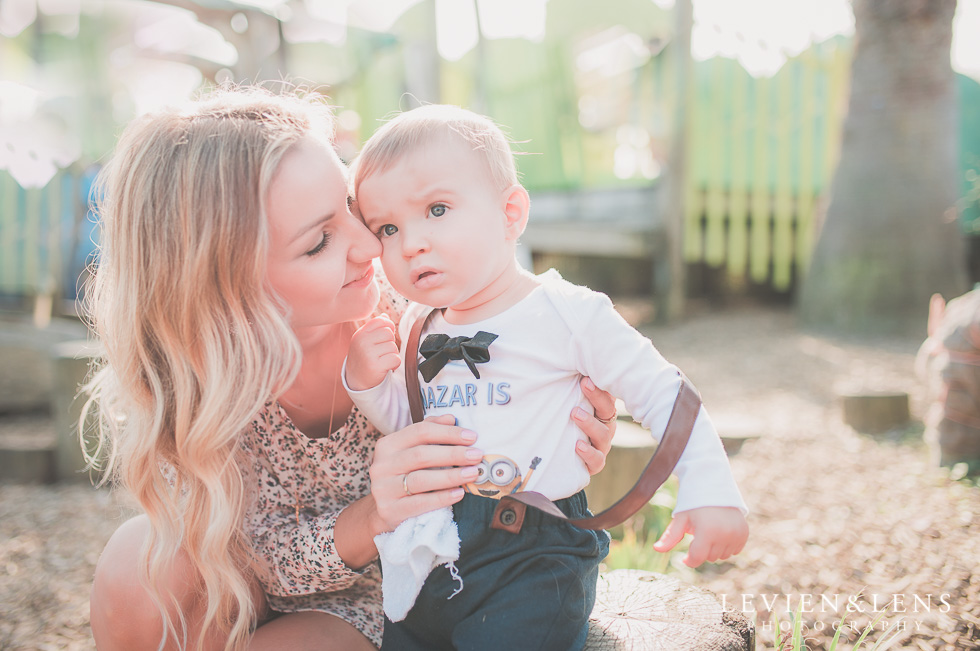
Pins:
<point x="599" y="427"/>
<point x="421" y="468"/>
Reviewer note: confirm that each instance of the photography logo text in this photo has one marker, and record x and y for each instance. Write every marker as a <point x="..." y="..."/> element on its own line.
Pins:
<point x="820" y="611"/>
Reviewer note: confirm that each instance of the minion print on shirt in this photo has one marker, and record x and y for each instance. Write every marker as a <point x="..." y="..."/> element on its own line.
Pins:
<point x="499" y="476"/>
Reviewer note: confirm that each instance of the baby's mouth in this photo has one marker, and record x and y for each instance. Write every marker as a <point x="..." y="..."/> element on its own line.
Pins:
<point x="420" y="276"/>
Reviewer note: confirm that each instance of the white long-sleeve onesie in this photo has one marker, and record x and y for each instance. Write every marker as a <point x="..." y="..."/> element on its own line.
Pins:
<point x="520" y="405"/>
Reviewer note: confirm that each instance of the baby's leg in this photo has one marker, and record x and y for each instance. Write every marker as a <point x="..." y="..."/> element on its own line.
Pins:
<point x="546" y="605"/>
<point x="533" y="590"/>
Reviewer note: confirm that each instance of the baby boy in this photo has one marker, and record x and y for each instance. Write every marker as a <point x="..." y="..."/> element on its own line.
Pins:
<point x="504" y="353"/>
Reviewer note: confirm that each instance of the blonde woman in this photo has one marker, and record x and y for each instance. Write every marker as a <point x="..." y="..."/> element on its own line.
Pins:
<point x="231" y="277"/>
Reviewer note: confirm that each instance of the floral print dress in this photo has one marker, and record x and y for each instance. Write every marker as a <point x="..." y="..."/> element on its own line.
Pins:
<point x="321" y="476"/>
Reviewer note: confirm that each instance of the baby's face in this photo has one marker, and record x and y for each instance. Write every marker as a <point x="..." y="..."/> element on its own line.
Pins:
<point x="441" y="223"/>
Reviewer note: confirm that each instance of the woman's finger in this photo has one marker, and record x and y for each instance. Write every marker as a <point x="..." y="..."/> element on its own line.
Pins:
<point x="603" y="403"/>
<point x="419" y="491"/>
<point x="433" y="443"/>
<point x="599" y="427"/>
<point x="593" y="451"/>
<point x="594" y="459"/>
<point x="418" y="482"/>
<point x="437" y="430"/>
<point x="394" y="512"/>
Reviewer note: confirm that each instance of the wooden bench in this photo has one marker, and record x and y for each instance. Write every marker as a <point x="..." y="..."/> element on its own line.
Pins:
<point x="638" y="610"/>
<point x="31" y="385"/>
<point x="621" y="223"/>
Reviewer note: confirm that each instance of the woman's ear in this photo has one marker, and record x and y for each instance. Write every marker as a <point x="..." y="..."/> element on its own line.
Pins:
<point x="517" y="206"/>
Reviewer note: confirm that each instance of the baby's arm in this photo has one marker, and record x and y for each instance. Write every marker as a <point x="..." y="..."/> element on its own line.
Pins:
<point x="622" y="361"/>
<point x="379" y="394"/>
<point x="372" y="354"/>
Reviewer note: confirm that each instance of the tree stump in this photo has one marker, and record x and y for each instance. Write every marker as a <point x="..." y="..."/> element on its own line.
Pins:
<point x="876" y="412"/>
<point x="26" y="458"/>
<point x="638" y="610"/>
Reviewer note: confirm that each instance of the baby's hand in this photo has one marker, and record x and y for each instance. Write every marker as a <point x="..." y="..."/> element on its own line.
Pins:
<point x="719" y="532"/>
<point x="372" y="354"/>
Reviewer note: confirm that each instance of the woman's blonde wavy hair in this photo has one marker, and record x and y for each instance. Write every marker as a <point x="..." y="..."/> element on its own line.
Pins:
<point x="196" y="342"/>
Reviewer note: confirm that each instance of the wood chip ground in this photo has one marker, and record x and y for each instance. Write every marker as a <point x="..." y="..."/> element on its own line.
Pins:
<point x="843" y="522"/>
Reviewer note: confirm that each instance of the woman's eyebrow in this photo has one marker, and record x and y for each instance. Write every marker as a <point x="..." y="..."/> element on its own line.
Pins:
<point x="306" y="229"/>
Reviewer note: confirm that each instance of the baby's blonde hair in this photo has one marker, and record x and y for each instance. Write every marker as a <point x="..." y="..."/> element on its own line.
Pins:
<point x="412" y="129"/>
<point x="196" y="342"/>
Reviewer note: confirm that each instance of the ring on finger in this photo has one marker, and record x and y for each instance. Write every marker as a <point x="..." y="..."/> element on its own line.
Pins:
<point x="408" y="492"/>
<point x="605" y="421"/>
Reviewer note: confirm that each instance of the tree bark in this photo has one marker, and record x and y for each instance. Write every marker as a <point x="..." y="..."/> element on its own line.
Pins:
<point x="890" y="237"/>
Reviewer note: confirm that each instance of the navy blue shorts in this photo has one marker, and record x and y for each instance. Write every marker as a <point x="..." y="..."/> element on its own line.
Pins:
<point x="531" y="590"/>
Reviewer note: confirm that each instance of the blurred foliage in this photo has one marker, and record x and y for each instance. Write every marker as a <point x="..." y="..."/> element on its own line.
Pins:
<point x="126" y="56"/>
<point x="632" y="541"/>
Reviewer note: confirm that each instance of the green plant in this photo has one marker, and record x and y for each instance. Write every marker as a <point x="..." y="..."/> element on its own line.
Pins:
<point x="632" y="542"/>
<point x="796" y="641"/>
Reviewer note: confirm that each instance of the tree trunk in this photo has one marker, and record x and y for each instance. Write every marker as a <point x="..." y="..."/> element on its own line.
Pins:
<point x="890" y="238"/>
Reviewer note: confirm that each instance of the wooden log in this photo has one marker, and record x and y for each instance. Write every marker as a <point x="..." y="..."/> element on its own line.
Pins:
<point x="26" y="458"/>
<point x="645" y="611"/>
<point x="876" y="412"/>
<point x="26" y="375"/>
<point x="634" y="445"/>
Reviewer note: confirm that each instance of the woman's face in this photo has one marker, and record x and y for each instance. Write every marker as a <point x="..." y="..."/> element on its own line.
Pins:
<point x="319" y="253"/>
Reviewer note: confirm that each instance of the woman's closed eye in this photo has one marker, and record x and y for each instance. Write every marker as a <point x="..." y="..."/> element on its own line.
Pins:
<point x="320" y="246"/>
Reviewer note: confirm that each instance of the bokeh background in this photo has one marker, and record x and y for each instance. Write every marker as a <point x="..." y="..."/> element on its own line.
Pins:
<point x="693" y="143"/>
<point x="770" y="189"/>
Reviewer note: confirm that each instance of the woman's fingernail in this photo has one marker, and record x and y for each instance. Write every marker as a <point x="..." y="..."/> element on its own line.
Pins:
<point x="581" y="445"/>
<point x="470" y="472"/>
<point x="579" y="414"/>
<point x="474" y="454"/>
<point x="468" y="435"/>
<point x="456" y="494"/>
<point x="589" y="384"/>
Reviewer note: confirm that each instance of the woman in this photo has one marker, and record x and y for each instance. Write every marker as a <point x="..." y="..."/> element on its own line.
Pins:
<point x="231" y="277"/>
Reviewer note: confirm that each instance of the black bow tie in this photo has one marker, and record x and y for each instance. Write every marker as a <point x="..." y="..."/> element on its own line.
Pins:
<point x="439" y="349"/>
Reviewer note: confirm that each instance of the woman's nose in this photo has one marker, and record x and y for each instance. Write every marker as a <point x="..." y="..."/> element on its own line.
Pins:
<point x="364" y="245"/>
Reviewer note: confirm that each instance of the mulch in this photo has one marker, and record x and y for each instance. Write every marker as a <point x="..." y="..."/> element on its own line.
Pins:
<point x="844" y="525"/>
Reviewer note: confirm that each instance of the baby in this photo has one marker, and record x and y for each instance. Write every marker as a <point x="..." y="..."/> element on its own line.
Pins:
<point x="504" y="354"/>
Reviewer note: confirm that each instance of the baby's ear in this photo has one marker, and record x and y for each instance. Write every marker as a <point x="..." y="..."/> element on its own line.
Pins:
<point x="517" y="206"/>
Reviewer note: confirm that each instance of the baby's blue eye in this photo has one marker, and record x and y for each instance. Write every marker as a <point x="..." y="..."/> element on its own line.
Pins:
<point x="437" y="210"/>
<point x="387" y="230"/>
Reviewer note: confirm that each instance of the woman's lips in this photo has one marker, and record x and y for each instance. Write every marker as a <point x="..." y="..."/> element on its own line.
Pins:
<point x="363" y="280"/>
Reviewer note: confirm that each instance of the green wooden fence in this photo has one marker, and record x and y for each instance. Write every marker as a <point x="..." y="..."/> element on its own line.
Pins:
<point x="761" y="152"/>
<point x="46" y="235"/>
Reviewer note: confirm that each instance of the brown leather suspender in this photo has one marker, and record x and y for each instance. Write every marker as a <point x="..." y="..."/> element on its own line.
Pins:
<point x="509" y="514"/>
